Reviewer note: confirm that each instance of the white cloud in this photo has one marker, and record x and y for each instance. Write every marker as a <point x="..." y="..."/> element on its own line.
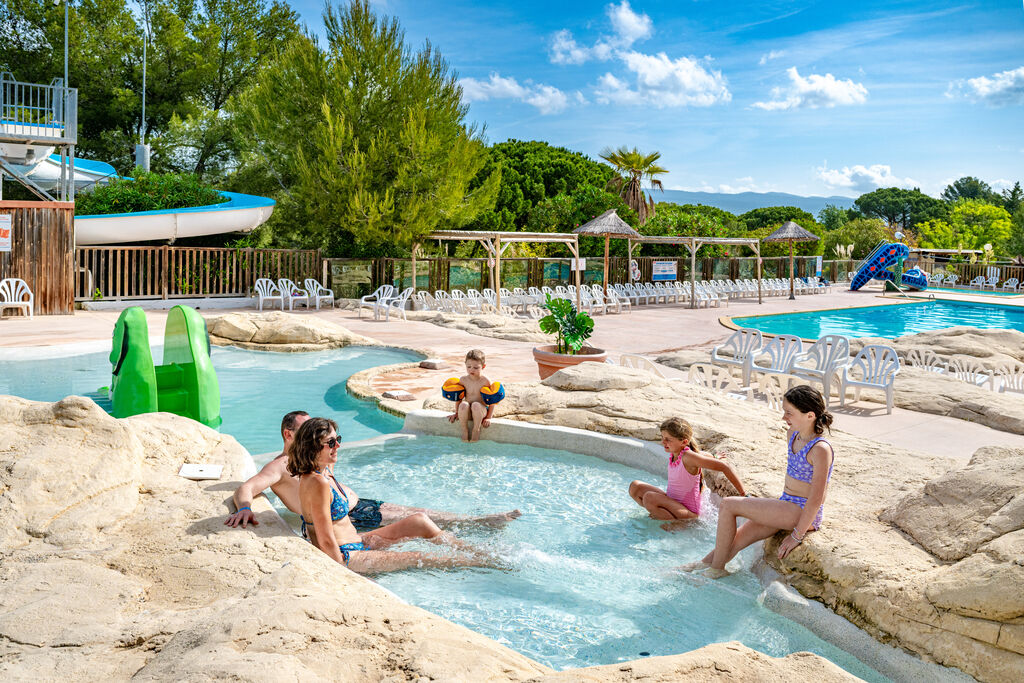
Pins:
<point x="546" y="98"/>
<point x="861" y="179"/>
<point x="769" y="56"/>
<point x="1002" y="89"/>
<point x="745" y="184"/>
<point x="662" y="82"/>
<point x="1002" y="184"/>
<point x="628" y="27"/>
<point x="814" y="91"/>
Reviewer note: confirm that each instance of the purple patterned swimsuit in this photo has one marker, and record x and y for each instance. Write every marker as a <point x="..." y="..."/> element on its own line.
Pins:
<point x="798" y="467"/>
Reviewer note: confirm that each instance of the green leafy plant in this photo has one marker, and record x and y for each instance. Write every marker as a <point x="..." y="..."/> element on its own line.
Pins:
<point x="97" y="295"/>
<point x="572" y="327"/>
<point x="147" y="192"/>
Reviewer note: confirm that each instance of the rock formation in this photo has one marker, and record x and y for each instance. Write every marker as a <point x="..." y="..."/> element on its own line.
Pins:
<point x="895" y="583"/>
<point x="113" y="567"/>
<point x="280" y="331"/>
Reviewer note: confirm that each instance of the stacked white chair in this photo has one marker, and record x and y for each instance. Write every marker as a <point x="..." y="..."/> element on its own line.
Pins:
<point x="15" y="293"/>
<point x="823" y="361"/>
<point x="739" y="350"/>
<point x="874" y="367"/>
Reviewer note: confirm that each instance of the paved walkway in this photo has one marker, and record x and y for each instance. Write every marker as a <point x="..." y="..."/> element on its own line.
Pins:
<point x="647" y="330"/>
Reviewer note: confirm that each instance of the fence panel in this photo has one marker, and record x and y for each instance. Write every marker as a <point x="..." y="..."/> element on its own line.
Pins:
<point x="184" y="272"/>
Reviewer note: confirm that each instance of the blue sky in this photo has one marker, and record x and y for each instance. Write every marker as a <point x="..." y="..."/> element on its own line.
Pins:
<point x="811" y="98"/>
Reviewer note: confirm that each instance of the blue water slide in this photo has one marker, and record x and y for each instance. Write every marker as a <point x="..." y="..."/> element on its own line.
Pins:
<point x="878" y="266"/>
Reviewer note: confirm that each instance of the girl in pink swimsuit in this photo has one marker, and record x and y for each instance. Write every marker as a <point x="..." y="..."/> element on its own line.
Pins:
<point x="682" y="499"/>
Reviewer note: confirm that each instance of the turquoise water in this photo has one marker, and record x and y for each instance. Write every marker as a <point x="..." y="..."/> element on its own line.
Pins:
<point x="889" y="321"/>
<point x="257" y="388"/>
<point x="590" y="580"/>
<point x="967" y="290"/>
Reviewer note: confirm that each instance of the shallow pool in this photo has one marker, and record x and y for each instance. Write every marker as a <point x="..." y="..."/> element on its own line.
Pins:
<point x="590" y="580"/>
<point x="257" y="388"/>
<point x="889" y="321"/>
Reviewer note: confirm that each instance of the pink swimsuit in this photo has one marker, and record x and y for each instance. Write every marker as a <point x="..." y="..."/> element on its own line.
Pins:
<point x="683" y="486"/>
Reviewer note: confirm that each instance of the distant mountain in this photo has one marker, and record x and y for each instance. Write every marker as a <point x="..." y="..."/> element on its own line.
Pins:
<point x="741" y="202"/>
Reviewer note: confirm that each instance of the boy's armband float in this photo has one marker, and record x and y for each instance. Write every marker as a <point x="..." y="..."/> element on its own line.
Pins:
<point x="452" y="389"/>
<point x="493" y="394"/>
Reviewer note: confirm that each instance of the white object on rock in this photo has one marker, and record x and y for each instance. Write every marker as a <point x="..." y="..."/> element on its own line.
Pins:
<point x="432" y="363"/>
<point x="399" y="395"/>
<point x="199" y="472"/>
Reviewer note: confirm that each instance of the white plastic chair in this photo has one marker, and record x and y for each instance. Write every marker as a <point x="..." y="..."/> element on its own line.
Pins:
<point x="372" y="300"/>
<point x="13" y="291"/>
<point x="926" y="359"/>
<point x="1011" y="376"/>
<point x="741" y="345"/>
<point x="824" y="359"/>
<point x="632" y="360"/>
<point x="1011" y="285"/>
<point x="267" y="290"/>
<point x="427" y="301"/>
<point x="970" y="369"/>
<point x="396" y="303"/>
<point x="978" y="282"/>
<point x="293" y="293"/>
<point x="878" y="366"/>
<point x="778" y="353"/>
<point x="317" y="292"/>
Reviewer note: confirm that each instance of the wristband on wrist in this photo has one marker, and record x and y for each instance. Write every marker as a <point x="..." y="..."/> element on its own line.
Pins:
<point x="245" y="508"/>
<point x="798" y="539"/>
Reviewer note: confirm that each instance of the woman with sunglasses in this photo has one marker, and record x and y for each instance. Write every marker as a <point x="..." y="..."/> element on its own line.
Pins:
<point x="326" y="504"/>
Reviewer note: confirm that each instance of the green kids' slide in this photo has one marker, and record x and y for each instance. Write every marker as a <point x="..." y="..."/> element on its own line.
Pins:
<point x="186" y="384"/>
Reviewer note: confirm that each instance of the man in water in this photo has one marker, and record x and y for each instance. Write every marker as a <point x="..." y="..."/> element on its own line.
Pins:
<point x="368" y="514"/>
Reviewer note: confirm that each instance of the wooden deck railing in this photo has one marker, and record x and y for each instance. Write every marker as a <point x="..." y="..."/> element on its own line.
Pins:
<point x="179" y="272"/>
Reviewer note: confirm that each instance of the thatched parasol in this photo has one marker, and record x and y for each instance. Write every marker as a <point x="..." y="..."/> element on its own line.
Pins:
<point x="608" y="225"/>
<point x="791" y="232"/>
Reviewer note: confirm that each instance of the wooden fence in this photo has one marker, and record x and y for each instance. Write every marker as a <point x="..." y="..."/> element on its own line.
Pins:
<point x="178" y="272"/>
<point x="42" y="252"/>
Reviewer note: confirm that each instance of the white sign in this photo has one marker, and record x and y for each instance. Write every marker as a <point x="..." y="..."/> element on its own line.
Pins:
<point x="578" y="264"/>
<point x="817" y="267"/>
<point x="5" y="232"/>
<point x="663" y="270"/>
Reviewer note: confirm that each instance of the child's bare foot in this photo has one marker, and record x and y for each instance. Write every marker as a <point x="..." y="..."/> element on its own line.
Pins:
<point x="676" y="524"/>
<point x="475" y="436"/>
<point x="694" y="566"/>
<point x="498" y="518"/>
<point x="713" y="573"/>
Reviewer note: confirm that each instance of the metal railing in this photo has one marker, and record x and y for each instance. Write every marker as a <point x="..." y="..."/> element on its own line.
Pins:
<point x="30" y="112"/>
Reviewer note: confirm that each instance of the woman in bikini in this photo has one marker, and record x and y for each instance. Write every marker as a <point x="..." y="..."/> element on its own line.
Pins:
<point x="326" y="505"/>
<point x="801" y="506"/>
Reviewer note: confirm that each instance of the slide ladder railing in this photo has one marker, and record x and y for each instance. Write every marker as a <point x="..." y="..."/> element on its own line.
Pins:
<point x="31" y="112"/>
<point x="874" y="252"/>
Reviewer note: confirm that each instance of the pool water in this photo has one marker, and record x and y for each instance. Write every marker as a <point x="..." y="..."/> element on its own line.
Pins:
<point x="590" y="578"/>
<point x="257" y="388"/>
<point x="967" y="290"/>
<point x="891" y="321"/>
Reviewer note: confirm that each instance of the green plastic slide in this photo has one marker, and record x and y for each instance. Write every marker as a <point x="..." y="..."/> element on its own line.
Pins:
<point x="185" y="384"/>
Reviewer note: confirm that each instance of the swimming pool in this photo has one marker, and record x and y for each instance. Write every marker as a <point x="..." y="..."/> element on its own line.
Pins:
<point x="590" y="580"/>
<point x="966" y="290"/>
<point x="256" y="387"/>
<point x="889" y="321"/>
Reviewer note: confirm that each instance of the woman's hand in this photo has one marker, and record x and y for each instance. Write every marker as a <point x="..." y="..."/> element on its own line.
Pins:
<point x="787" y="545"/>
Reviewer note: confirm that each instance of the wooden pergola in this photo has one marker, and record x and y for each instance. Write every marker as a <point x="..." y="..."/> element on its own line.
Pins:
<point x="695" y="243"/>
<point x="495" y="243"/>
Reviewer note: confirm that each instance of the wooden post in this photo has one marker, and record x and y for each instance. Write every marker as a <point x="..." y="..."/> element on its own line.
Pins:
<point x="415" y="246"/>
<point x="606" y="239"/>
<point x="497" y="272"/>
<point x="757" y="250"/>
<point x="693" y="273"/>
<point x="575" y="249"/>
<point x="792" y="295"/>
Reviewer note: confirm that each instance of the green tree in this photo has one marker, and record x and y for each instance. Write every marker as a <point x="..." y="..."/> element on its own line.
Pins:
<point x="833" y="217"/>
<point x="1013" y="198"/>
<point x="766" y="220"/>
<point x="899" y="208"/>
<point x="970" y="187"/>
<point x="367" y="137"/>
<point x="972" y="224"/>
<point x="633" y="167"/>
<point x="863" y="233"/>
<point x="1015" y="244"/>
<point x="567" y="211"/>
<point x="531" y="172"/>
<point x="686" y="220"/>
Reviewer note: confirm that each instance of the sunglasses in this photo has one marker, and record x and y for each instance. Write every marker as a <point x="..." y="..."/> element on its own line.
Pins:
<point x="332" y="442"/>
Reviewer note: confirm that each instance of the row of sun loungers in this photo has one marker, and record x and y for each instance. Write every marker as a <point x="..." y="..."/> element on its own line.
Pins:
<point x="981" y="282"/>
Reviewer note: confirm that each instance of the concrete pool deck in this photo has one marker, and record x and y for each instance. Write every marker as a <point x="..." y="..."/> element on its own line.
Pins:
<point x="646" y="330"/>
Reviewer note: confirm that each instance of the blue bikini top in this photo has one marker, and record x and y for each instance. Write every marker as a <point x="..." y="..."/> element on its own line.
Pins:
<point x="797" y="465"/>
<point x="339" y="503"/>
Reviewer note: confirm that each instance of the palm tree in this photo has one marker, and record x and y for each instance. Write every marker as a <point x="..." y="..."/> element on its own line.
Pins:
<point x="635" y="166"/>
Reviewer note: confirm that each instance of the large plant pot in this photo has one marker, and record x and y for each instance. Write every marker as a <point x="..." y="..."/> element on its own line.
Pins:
<point x="549" y="362"/>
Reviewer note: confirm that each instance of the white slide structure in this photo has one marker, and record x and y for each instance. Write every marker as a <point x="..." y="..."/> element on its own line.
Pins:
<point x="237" y="213"/>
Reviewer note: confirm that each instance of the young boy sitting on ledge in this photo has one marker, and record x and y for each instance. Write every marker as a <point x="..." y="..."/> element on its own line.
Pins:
<point x="471" y="404"/>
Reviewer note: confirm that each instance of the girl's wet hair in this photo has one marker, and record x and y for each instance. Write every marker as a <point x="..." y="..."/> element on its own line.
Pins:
<point x="807" y="399"/>
<point x="305" y="448"/>
<point x="679" y="428"/>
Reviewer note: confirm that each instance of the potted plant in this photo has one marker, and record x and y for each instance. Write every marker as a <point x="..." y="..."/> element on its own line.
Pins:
<point x="572" y="328"/>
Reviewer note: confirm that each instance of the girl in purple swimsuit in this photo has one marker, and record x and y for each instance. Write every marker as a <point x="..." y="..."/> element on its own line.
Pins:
<point x="801" y="506"/>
